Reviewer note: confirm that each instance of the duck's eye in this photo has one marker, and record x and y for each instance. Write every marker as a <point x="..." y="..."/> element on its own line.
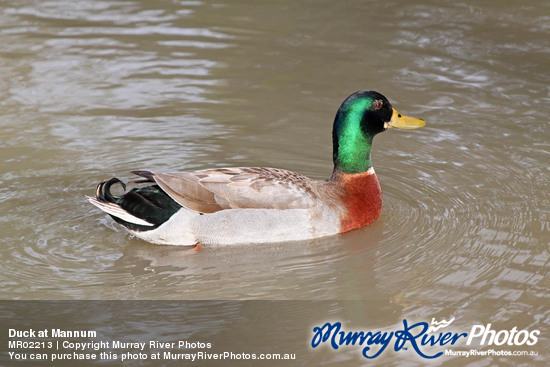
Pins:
<point x="399" y="115"/>
<point x="377" y="104"/>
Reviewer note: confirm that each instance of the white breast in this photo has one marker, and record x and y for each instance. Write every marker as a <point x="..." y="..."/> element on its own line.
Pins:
<point x="237" y="226"/>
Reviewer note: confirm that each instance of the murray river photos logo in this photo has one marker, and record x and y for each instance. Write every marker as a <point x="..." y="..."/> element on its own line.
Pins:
<point x="421" y="337"/>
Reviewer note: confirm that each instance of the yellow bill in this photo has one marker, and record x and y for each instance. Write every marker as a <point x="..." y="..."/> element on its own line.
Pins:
<point x="404" y="122"/>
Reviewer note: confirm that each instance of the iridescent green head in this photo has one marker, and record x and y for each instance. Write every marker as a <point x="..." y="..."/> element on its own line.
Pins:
<point x="360" y="117"/>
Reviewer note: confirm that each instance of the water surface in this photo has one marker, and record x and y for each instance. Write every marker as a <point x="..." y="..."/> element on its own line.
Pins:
<point x="95" y="89"/>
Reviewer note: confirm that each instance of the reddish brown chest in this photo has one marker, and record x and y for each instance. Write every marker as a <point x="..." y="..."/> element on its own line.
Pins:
<point x="362" y="198"/>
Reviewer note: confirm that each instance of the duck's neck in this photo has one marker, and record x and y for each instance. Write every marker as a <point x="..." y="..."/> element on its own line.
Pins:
<point x="351" y="146"/>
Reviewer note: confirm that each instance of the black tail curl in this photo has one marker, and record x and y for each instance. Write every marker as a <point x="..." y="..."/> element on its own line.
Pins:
<point x="149" y="203"/>
<point x="103" y="190"/>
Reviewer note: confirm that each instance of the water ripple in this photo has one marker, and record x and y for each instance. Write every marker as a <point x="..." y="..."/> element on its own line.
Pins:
<point x="94" y="89"/>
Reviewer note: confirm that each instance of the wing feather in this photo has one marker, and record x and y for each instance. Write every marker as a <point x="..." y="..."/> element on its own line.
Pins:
<point x="231" y="188"/>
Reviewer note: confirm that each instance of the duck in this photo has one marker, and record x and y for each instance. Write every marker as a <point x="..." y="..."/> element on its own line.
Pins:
<point x="253" y="205"/>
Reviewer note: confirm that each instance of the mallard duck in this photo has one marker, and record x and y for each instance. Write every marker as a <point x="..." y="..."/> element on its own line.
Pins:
<point x="259" y="205"/>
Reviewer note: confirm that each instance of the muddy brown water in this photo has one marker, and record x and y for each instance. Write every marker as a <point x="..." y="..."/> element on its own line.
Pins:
<point x="95" y="89"/>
